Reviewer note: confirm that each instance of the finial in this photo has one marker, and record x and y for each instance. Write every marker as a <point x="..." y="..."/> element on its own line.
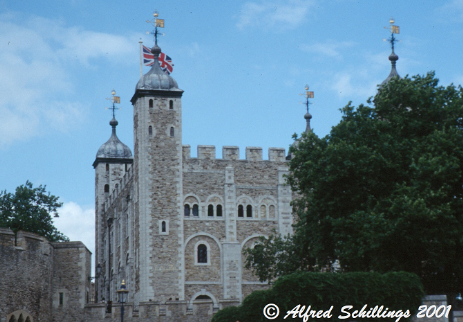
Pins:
<point x="394" y="30"/>
<point x="116" y="100"/>
<point x="392" y="57"/>
<point x="308" y="94"/>
<point x="156" y="23"/>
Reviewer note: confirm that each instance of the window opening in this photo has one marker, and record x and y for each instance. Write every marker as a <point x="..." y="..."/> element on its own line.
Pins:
<point x="151" y="103"/>
<point x="150" y="130"/>
<point x="107" y="166"/>
<point x="219" y="210"/>
<point x="202" y="253"/>
<point x="240" y="211"/>
<point x="171" y="104"/>
<point x="210" y="210"/>
<point x="171" y="131"/>
<point x="106" y="188"/>
<point x="187" y="210"/>
<point x="61" y="299"/>
<point x="163" y="227"/>
<point x="195" y="210"/>
<point x="248" y="211"/>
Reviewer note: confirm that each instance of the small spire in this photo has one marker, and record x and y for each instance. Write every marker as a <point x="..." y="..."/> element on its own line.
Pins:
<point x="116" y="100"/>
<point x="156" y="50"/>
<point x="392" y="57"/>
<point x="308" y="94"/>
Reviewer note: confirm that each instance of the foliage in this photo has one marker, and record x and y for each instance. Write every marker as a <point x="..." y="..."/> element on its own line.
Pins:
<point x="30" y="209"/>
<point x="383" y="191"/>
<point x="394" y="290"/>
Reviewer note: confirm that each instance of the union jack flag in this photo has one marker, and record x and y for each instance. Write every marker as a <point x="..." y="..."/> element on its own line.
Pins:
<point x="165" y="62"/>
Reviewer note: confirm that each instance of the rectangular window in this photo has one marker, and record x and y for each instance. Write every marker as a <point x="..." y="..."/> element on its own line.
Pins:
<point x="61" y="299"/>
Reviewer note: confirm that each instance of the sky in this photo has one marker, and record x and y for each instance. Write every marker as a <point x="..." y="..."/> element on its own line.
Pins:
<point x="241" y="64"/>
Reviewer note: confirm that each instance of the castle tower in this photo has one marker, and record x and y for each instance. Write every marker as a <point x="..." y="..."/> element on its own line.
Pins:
<point x="112" y="161"/>
<point x="158" y="186"/>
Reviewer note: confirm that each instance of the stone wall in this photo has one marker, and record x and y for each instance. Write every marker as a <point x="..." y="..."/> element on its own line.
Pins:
<point x="26" y="274"/>
<point x="71" y="289"/>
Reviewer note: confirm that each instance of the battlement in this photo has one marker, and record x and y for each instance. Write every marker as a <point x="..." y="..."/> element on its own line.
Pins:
<point x="207" y="152"/>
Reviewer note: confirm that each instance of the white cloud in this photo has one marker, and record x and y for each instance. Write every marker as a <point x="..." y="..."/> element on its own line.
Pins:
<point x="77" y="223"/>
<point x="451" y="11"/>
<point x="35" y="55"/>
<point x="330" y="48"/>
<point x="274" y="14"/>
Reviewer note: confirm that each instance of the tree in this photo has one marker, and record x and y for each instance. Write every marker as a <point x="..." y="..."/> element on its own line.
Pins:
<point x="30" y="209"/>
<point x="383" y="191"/>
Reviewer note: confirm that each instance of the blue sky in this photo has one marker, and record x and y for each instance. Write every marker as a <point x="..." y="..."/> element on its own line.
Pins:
<point x="242" y="65"/>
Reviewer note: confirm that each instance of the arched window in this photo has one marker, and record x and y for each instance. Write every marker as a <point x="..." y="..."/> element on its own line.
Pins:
<point x="117" y="186"/>
<point x="172" y="131"/>
<point x="263" y="211"/>
<point x="240" y="211"/>
<point x="202" y="253"/>
<point x="151" y="103"/>
<point x="12" y="319"/>
<point x="195" y="210"/>
<point x="187" y="210"/>
<point x="28" y="319"/>
<point x="106" y="188"/>
<point x="171" y="104"/>
<point x="150" y="130"/>
<point x="21" y="319"/>
<point x="219" y="210"/>
<point x="107" y="166"/>
<point x="163" y="227"/>
<point x="210" y="210"/>
<point x="248" y="211"/>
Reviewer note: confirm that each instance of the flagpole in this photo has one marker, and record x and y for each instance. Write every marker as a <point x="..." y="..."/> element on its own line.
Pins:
<point x="141" y="58"/>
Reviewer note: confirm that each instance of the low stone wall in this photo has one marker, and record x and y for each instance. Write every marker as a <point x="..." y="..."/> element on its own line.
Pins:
<point x="173" y="311"/>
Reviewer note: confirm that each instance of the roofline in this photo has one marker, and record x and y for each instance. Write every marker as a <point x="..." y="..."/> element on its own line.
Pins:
<point x="112" y="160"/>
<point x="155" y="92"/>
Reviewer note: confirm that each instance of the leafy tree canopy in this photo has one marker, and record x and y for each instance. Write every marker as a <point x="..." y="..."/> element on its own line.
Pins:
<point x="30" y="209"/>
<point x="383" y="191"/>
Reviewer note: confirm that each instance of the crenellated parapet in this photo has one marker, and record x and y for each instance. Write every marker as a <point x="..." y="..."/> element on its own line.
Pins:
<point x="208" y="152"/>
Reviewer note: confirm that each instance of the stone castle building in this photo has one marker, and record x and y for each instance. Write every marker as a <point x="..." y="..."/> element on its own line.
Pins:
<point x="172" y="226"/>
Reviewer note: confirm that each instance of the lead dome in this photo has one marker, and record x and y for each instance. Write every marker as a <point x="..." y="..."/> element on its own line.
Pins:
<point x="156" y="78"/>
<point x="114" y="148"/>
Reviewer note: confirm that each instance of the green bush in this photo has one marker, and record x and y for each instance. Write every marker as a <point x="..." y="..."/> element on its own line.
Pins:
<point x="394" y="291"/>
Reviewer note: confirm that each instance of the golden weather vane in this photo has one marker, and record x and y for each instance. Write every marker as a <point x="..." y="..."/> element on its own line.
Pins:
<point x="156" y="23"/>
<point x="116" y="100"/>
<point x="394" y="30"/>
<point x="308" y="94"/>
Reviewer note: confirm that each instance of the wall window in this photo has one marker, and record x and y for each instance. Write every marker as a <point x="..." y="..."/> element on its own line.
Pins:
<point x="219" y="210"/>
<point x="187" y="210"/>
<point x="248" y="211"/>
<point x="107" y="166"/>
<point x="195" y="210"/>
<point x="151" y="103"/>
<point x="210" y="210"/>
<point x="171" y="104"/>
<point x="240" y="211"/>
<point x="172" y="131"/>
<point x="202" y="254"/>
<point x="106" y="188"/>
<point x="61" y="299"/>
<point x="163" y="227"/>
<point x="150" y="130"/>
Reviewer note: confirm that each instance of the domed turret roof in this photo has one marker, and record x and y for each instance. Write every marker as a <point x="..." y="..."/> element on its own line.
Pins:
<point x="156" y="78"/>
<point x="393" y="58"/>
<point x="114" y="148"/>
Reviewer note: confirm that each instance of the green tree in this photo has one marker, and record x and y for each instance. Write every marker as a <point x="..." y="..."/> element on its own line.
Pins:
<point x="383" y="191"/>
<point x="30" y="209"/>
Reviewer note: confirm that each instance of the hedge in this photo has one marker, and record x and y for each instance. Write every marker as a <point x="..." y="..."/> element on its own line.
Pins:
<point x="394" y="291"/>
